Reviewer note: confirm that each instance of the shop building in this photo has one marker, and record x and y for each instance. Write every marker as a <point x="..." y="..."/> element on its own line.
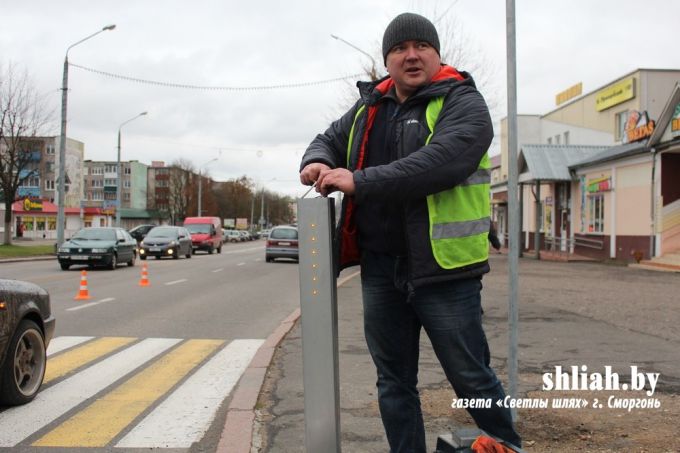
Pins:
<point x="594" y="173"/>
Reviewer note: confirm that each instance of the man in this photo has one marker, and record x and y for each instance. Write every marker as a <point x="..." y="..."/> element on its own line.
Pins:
<point x="410" y="157"/>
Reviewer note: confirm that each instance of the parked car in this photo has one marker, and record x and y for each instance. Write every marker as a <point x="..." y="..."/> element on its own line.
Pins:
<point x="206" y="233"/>
<point x="245" y="236"/>
<point x="233" y="236"/>
<point x="26" y="328"/>
<point x="265" y="233"/>
<point x="140" y="231"/>
<point x="104" y="246"/>
<point x="166" y="241"/>
<point x="282" y="243"/>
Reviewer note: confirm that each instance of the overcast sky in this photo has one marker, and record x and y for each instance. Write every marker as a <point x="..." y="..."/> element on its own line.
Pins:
<point x="262" y="133"/>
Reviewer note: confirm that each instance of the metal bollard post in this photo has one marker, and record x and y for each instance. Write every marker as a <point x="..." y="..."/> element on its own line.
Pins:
<point x="318" y="304"/>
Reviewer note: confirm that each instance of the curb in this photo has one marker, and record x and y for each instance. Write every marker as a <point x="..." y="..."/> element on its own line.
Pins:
<point x="28" y="258"/>
<point x="238" y="428"/>
<point x="237" y="433"/>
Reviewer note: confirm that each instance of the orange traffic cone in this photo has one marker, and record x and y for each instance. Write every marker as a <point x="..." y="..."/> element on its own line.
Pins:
<point x="145" y="276"/>
<point x="83" y="293"/>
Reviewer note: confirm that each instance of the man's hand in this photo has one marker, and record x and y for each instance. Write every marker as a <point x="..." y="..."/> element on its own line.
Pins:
<point x="338" y="179"/>
<point x="310" y="174"/>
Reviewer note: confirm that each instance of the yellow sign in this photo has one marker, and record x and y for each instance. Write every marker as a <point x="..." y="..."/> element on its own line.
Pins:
<point x="615" y="94"/>
<point x="569" y="93"/>
<point x="30" y="205"/>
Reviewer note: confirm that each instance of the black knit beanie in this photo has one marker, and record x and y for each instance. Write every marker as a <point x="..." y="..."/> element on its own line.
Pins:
<point x="409" y="27"/>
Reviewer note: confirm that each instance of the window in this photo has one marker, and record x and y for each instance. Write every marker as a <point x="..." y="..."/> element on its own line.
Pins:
<point x="620" y="120"/>
<point x="111" y="182"/>
<point x="126" y="196"/>
<point x="50" y="149"/>
<point x="127" y="171"/>
<point x="566" y="137"/>
<point x="596" y="217"/>
<point x="98" y="195"/>
<point x="97" y="171"/>
<point x="49" y="184"/>
<point x="97" y="183"/>
<point x="549" y="140"/>
<point x="111" y="169"/>
<point x="126" y="183"/>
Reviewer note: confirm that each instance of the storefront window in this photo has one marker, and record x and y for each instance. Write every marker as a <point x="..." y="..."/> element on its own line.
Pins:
<point x="596" y="219"/>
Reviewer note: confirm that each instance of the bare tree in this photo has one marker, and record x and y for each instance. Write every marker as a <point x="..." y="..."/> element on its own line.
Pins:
<point x="457" y="50"/>
<point x="180" y="190"/>
<point x="22" y="116"/>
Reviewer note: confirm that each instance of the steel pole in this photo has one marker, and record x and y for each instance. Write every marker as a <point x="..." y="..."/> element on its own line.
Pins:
<point x="61" y="189"/>
<point x="200" y="191"/>
<point x="118" y="185"/>
<point x="513" y="218"/>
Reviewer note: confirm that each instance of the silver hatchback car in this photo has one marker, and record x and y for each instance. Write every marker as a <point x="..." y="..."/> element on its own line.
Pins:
<point x="282" y="243"/>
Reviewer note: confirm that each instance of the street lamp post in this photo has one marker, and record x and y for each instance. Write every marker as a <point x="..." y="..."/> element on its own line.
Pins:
<point x="61" y="186"/>
<point x="200" y="184"/>
<point x="374" y="73"/>
<point x="118" y="172"/>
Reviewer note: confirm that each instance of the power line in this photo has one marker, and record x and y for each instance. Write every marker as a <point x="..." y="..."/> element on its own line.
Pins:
<point x="217" y="88"/>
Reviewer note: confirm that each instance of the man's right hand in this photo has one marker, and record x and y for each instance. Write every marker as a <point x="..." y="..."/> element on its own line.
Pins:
<point x="310" y="173"/>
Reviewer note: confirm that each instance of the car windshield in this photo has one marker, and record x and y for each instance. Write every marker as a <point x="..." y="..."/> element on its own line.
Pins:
<point x="162" y="232"/>
<point x="203" y="228"/>
<point x="284" y="233"/>
<point x="96" y="234"/>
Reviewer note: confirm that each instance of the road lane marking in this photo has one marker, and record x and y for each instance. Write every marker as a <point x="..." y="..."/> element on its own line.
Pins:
<point x="99" y="423"/>
<point x="59" y="344"/>
<point x="344" y="280"/>
<point x="240" y="264"/>
<point x="242" y="250"/>
<point x="65" y="363"/>
<point x="55" y="401"/>
<point x="91" y="304"/>
<point x="174" y="282"/>
<point x="218" y="270"/>
<point x="185" y="416"/>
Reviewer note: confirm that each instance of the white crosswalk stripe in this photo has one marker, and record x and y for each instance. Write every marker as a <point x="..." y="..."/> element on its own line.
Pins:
<point x="185" y="416"/>
<point x="182" y="418"/>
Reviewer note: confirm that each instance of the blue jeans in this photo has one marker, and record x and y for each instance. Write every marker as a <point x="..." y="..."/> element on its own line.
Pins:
<point x="450" y="312"/>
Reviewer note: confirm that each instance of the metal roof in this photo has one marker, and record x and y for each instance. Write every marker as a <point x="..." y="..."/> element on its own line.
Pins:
<point x="611" y="153"/>
<point x="552" y="162"/>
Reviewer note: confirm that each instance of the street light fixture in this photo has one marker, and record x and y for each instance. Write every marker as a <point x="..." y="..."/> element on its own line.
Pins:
<point x="118" y="172"/>
<point x="374" y="74"/>
<point x="200" y="184"/>
<point x="62" y="140"/>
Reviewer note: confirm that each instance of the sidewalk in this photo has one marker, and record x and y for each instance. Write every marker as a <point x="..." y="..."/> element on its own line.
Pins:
<point x="571" y="314"/>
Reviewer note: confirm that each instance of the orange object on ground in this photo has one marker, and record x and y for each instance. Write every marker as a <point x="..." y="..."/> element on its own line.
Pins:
<point x="83" y="293"/>
<point x="485" y="444"/>
<point x="144" y="281"/>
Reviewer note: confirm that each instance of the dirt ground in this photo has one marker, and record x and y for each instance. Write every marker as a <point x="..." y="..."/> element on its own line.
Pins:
<point x="581" y="430"/>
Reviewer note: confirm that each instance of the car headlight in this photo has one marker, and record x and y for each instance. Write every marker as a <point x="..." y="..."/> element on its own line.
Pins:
<point x="100" y="250"/>
<point x="64" y="250"/>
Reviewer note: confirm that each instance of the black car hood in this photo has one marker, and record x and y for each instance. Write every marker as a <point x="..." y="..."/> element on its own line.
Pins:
<point x="88" y="243"/>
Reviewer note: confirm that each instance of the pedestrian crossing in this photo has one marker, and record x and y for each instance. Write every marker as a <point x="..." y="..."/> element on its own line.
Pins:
<point x="126" y="392"/>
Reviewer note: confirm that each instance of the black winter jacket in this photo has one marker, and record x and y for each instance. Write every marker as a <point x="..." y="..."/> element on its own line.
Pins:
<point x="462" y="135"/>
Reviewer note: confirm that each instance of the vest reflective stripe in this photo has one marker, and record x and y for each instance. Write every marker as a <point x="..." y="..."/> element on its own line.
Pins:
<point x="459" y="217"/>
<point x="351" y="133"/>
<point x="481" y="176"/>
<point x="461" y="229"/>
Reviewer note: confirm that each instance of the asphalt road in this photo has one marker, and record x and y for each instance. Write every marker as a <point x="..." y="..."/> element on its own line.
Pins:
<point x="171" y="351"/>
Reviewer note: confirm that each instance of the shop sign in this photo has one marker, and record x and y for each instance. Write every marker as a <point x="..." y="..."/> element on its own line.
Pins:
<point x="32" y="205"/>
<point x="598" y="185"/>
<point x="615" y="94"/>
<point x="638" y="127"/>
<point x="675" y="122"/>
<point x="569" y="93"/>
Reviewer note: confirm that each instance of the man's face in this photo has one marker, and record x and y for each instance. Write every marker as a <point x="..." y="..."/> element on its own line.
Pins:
<point x="412" y="64"/>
